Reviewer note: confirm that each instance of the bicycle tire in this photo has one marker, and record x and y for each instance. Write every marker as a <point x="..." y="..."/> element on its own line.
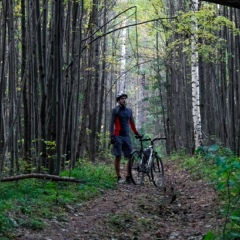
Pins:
<point x="157" y="171"/>
<point x="137" y="175"/>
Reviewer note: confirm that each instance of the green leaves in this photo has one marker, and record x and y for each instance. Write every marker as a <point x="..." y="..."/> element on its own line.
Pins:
<point x="30" y="202"/>
<point x="220" y="160"/>
<point x="209" y="236"/>
<point x="208" y="152"/>
<point x="208" y="39"/>
<point x="228" y="185"/>
<point x="213" y="148"/>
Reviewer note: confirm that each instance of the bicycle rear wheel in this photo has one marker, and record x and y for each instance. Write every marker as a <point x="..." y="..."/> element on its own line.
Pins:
<point x="157" y="171"/>
<point x="135" y="165"/>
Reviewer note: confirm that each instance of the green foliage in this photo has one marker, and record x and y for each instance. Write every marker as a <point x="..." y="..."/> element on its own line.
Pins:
<point x="222" y="167"/>
<point x="33" y="224"/>
<point x="206" y="34"/>
<point x="94" y="175"/>
<point x="5" y="223"/>
<point x="50" y="148"/>
<point x="209" y="236"/>
<point x="104" y="140"/>
<point x="29" y="202"/>
<point x="196" y="165"/>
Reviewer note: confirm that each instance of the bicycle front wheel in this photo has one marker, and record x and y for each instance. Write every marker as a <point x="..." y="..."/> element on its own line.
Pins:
<point x="135" y="165"/>
<point x="157" y="171"/>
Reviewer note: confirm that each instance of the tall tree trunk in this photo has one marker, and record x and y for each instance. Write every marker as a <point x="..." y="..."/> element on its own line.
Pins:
<point x="75" y="136"/>
<point x="58" y="15"/>
<point x="3" y="133"/>
<point x="237" y="77"/>
<point x="163" y="131"/>
<point x="103" y="76"/>
<point x="195" y="83"/>
<point x="42" y="81"/>
<point x="26" y="126"/>
<point x="232" y="96"/>
<point x="12" y="92"/>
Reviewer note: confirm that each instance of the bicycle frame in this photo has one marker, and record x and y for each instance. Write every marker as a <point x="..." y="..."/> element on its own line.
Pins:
<point x="152" y="144"/>
<point x="140" y="165"/>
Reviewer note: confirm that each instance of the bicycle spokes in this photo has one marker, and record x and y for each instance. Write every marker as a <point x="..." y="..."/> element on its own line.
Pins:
<point x="136" y="170"/>
<point x="157" y="172"/>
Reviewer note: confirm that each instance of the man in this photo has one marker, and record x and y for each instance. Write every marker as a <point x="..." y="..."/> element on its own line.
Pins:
<point x="121" y="120"/>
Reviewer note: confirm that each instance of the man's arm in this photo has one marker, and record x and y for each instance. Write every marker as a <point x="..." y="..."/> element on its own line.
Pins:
<point x="132" y="124"/>
<point x="113" y="117"/>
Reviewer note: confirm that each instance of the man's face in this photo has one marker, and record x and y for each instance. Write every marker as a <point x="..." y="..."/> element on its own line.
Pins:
<point x="122" y="101"/>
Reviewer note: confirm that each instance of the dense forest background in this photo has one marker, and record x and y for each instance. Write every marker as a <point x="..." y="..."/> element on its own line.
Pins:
<point x="62" y="64"/>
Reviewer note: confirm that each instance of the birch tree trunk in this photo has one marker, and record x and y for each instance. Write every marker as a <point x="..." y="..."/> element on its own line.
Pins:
<point x="195" y="82"/>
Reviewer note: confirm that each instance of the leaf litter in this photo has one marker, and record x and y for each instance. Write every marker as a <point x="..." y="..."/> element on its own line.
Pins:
<point x="185" y="209"/>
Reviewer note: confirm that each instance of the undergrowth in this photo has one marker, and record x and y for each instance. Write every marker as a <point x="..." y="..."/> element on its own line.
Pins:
<point x="29" y="203"/>
<point x="222" y="167"/>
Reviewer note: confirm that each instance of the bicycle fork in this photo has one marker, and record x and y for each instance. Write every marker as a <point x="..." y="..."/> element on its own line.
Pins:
<point x="148" y="166"/>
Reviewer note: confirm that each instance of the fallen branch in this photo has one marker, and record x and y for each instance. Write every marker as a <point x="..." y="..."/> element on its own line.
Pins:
<point x="42" y="176"/>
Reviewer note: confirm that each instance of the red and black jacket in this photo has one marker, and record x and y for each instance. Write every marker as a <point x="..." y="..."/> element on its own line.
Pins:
<point x="121" y="121"/>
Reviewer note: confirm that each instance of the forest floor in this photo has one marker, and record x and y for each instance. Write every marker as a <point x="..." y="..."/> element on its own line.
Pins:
<point x="185" y="210"/>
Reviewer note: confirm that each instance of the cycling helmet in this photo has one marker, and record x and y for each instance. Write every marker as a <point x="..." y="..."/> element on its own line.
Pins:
<point x="121" y="95"/>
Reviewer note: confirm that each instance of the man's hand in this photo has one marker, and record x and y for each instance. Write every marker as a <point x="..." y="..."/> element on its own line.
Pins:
<point x="138" y="136"/>
<point x="113" y="140"/>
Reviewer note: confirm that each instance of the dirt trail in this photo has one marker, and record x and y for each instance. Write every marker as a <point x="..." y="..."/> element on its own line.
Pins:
<point x="187" y="210"/>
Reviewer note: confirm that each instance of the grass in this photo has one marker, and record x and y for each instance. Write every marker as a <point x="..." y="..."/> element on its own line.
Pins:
<point x="197" y="166"/>
<point x="222" y="168"/>
<point x="29" y="203"/>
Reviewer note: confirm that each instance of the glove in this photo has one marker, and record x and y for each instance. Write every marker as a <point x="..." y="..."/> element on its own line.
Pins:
<point x="113" y="140"/>
<point x="139" y="136"/>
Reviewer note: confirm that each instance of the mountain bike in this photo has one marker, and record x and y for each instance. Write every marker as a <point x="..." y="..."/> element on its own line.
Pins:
<point x="147" y="162"/>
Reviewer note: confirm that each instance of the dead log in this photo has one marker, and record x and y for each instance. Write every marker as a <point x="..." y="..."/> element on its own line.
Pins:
<point x="41" y="176"/>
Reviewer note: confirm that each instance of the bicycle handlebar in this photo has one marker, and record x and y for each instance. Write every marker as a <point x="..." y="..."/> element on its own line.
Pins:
<point x="141" y="139"/>
<point x="159" y="138"/>
<point x="145" y="139"/>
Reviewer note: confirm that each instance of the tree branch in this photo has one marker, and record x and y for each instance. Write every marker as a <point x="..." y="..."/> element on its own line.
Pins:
<point x="42" y="176"/>
<point x="127" y="26"/>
